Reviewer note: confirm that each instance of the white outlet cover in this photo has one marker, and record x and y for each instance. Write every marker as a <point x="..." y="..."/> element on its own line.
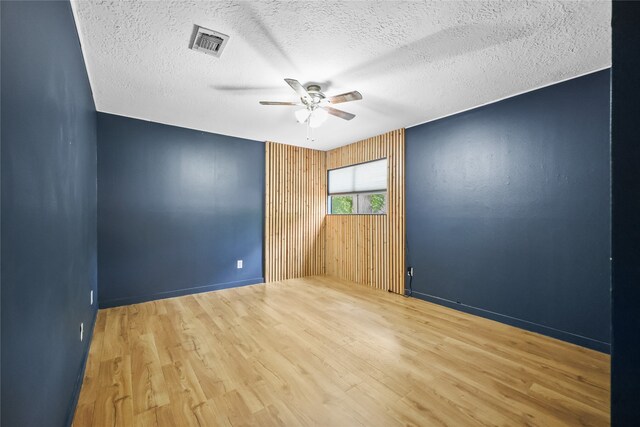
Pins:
<point x="91" y="294"/>
<point x="81" y="331"/>
<point x="239" y="263"/>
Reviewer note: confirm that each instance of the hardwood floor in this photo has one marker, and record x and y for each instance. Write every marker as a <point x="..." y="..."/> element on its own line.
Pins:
<point x="321" y="351"/>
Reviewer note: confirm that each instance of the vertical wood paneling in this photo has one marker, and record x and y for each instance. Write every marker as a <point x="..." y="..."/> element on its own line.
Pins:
<point x="370" y="249"/>
<point x="301" y="240"/>
<point x="295" y="206"/>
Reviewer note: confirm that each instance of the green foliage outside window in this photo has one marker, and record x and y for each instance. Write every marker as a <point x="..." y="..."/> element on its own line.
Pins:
<point x="377" y="202"/>
<point x="359" y="204"/>
<point x="342" y="204"/>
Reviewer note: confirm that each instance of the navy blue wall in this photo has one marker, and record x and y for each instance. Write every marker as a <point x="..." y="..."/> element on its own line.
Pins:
<point x="508" y="210"/>
<point x="48" y="213"/>
<point x="176" y="209"/>
<point x="625" y="157"/>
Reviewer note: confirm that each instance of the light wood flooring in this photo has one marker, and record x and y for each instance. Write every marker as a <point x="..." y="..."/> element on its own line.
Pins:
<point x="321" y="351"/>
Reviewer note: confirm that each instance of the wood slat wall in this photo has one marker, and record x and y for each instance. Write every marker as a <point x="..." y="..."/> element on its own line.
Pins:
<point x="296" y="191"/>
<point x="370" y="249"/>
<point x="301" y="240"/>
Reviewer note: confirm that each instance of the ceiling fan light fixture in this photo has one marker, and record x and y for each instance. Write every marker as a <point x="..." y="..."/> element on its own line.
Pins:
<point x="302" y="115"/>
<point x="318" y="117"/>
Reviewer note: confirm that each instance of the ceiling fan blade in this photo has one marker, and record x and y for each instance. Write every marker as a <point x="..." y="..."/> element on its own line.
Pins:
<point x="339" y="113"/>
<point x="279" y="103"/>
<point x="300" y="90"/>
<point x="345" y="97"/>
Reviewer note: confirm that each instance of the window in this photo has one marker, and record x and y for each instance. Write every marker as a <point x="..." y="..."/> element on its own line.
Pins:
<point x="359" y="189"/>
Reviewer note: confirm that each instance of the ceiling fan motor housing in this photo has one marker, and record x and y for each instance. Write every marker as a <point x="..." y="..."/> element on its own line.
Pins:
<point x="315" y="94"/>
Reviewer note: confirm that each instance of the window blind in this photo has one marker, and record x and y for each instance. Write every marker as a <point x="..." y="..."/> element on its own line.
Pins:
<point x="371" y="176"/>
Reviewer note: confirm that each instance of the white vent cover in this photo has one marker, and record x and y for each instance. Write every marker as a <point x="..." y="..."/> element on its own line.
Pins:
<point x="208" y="41"/>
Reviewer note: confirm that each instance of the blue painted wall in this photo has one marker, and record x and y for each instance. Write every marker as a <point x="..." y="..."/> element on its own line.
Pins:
<point x="625" y="158"/>
<point x="176" y="209"/>
<point x="508" y="210"/>
<point x="48" y="213"/>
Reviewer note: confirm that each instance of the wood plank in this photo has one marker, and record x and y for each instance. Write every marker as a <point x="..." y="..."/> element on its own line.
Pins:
<point x="114" y="404"/>
<point x="149" y="386"/>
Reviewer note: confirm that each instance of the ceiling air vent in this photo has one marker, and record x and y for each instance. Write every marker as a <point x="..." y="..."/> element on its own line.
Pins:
<point x="208" y="41"/>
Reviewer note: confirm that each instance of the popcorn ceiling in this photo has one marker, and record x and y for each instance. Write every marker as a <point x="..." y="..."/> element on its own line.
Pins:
<point x="412" y="61"/>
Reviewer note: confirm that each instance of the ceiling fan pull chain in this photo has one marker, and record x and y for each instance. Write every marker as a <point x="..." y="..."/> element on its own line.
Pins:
<point x="309" y="132"/>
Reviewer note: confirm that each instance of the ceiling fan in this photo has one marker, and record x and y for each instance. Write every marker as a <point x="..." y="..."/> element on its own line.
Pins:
<point x="316" y="106"/>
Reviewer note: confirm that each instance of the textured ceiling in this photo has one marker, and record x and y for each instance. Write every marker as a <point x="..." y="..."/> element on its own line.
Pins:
<point x="412" y="61"/>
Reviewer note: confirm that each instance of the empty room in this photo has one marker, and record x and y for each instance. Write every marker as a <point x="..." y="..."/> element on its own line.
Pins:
<point x="320" y="213"/>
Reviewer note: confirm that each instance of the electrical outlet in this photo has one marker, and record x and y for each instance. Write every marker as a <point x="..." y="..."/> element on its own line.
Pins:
<point x="239" y="263"/>
<point x="81" y="331"/>
<point x="91" y="297"/>
<point x="410" y="271"/>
